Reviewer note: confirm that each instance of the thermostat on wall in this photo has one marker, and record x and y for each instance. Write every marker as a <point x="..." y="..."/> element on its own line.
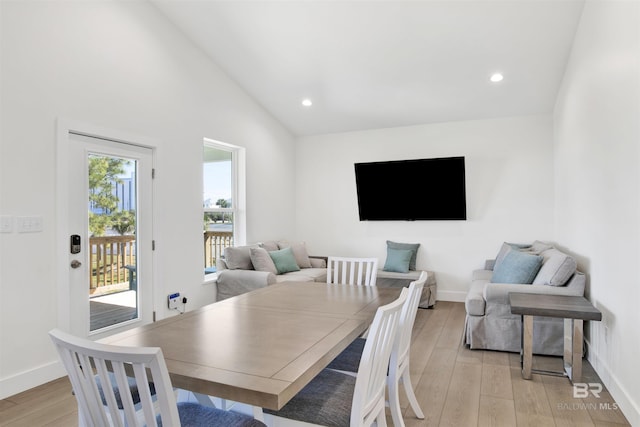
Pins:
<point x="173" y="300"/>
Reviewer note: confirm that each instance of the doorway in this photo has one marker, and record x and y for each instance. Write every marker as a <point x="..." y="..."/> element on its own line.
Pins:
<point x="107" y="229"/>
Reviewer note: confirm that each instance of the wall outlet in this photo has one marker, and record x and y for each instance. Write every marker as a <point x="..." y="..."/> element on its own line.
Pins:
<point x="174" y="301"/>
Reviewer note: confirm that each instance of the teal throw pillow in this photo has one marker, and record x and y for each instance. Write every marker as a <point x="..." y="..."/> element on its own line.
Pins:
<point x="398" y="260"/>
<point x="413" y="247"/>
<point x="517" y="267"/>
<point x="284" y="260"/>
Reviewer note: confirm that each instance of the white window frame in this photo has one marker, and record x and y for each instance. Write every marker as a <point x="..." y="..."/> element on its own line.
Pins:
<point x="238" y="192"/>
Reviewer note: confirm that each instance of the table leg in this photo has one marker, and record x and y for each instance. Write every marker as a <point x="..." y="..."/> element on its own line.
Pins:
<point x="527" y="346"/>
<point x="258" y="413"/>
<point x="573" y="349"/>
<point x="204" y="400"/>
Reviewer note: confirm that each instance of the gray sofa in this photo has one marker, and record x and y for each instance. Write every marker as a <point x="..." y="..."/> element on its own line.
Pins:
<point x="237" y="274"/>
<point x="489" y="323"/>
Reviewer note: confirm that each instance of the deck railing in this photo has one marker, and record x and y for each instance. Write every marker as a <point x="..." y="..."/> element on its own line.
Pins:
<point x="214" y="244"/>
<point x="112" y="260"/>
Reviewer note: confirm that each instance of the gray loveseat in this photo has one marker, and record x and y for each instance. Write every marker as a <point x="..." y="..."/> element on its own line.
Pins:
<point x="238" y="273"/>
<point x="489" y="323"/>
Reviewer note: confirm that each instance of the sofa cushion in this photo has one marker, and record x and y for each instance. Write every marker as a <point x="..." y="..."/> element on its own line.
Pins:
<point x="304" y="275"/>
<point x="284" y="260"/>
<point x="413" y="247"/>
<point x="318" y="262"/>
<point x="517" y="267"/>
<point x="398" y="260"/>
<point x="556" y="270"/>
<point x="536" y="248"/>
<point x="238" y="257"/>
<point x="410" y="275"/>
<point x="293" y="276"/>
<point x="505" y="249"/>
<point x="270" y="245"/>
<point x="299" y="252"/>
<point x="262" y="261"/>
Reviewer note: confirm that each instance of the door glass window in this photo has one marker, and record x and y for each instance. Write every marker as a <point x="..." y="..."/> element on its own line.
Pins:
<point x="112" y="243"/>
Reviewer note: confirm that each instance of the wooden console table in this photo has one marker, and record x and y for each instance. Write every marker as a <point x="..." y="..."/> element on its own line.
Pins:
<point x="573" y="309"/>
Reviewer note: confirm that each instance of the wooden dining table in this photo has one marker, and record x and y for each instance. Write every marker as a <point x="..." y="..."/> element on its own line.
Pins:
<point x="261" y="348"/>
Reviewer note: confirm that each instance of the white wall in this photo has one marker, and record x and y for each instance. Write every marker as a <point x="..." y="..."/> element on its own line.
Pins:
<point x="597" y="140"/>
<point x="509" y="175"/>
<point x="122" y="66"/>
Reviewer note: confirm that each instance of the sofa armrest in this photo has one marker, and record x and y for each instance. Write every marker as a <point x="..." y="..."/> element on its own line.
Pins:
<point x="318" y="261"/>
<point x="498" y="293"/>
<point x="235" y="282"/>
<point x="220" y="264"/>
<point x="474" y="303"/>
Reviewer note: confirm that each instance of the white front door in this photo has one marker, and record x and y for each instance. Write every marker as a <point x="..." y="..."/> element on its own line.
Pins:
<point x="108" y="234"/>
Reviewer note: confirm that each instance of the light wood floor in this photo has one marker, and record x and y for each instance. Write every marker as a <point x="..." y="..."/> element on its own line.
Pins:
<point x="455" y="386"/>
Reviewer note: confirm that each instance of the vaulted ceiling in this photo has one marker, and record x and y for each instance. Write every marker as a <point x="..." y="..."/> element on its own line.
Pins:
<point x="378" y="64"/>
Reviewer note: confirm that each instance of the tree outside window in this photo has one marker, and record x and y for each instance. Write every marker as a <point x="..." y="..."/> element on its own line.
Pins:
<point x="108" y="209"/>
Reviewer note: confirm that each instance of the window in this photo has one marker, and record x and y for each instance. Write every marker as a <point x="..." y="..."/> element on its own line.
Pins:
<point x="222" y="200"/>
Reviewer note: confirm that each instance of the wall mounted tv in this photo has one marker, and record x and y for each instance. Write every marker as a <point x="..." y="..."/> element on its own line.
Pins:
<point x="410" y="190"/>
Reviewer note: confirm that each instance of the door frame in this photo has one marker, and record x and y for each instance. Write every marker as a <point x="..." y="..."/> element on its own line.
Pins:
<point x="64" y="128"/>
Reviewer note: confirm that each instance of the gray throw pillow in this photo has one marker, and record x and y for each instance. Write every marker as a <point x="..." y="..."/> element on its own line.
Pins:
<point x="262" y="261"/>
<point x="413" y="247"/>
<point x="238" y="258"/>
<point x="299" y="252"/>
<point x="270" y="245"/>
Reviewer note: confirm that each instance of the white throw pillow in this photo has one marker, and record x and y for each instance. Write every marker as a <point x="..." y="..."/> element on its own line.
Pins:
<point x="262" y="261"/>
<point x="557" y="268"/>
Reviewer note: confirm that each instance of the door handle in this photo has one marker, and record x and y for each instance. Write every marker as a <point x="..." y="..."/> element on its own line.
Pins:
<point x="75" y="263"/>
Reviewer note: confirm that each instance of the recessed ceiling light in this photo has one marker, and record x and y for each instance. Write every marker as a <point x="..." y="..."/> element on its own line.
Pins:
<point x="307" y="102"/>
<point x="497" y="77"/>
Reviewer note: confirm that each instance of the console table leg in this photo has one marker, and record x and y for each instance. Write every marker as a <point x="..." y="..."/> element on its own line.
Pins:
<point x="527" y="346"/>
<point x="574" y="369"/>
<point x="568" y="343"/>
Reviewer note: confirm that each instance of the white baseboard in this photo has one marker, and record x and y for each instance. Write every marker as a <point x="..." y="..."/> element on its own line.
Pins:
<point x="453" y="296"/>
<point x="629" y="407"/>
<point x="32" y="378"/>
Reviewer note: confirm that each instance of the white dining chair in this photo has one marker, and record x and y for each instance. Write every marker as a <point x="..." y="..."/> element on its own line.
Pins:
<point x="399" y="372"/>
<point x="352" y="271"/>
<point x="338" y="400"/>
<point x="88" y="362"/>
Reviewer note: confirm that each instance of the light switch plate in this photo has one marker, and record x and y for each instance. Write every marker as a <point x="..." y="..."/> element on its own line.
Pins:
<point x="6" y="224"/>
<point x="29" y="224"/>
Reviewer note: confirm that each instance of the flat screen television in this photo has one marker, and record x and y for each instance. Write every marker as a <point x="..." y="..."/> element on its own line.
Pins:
<point x="412" y="190"/>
